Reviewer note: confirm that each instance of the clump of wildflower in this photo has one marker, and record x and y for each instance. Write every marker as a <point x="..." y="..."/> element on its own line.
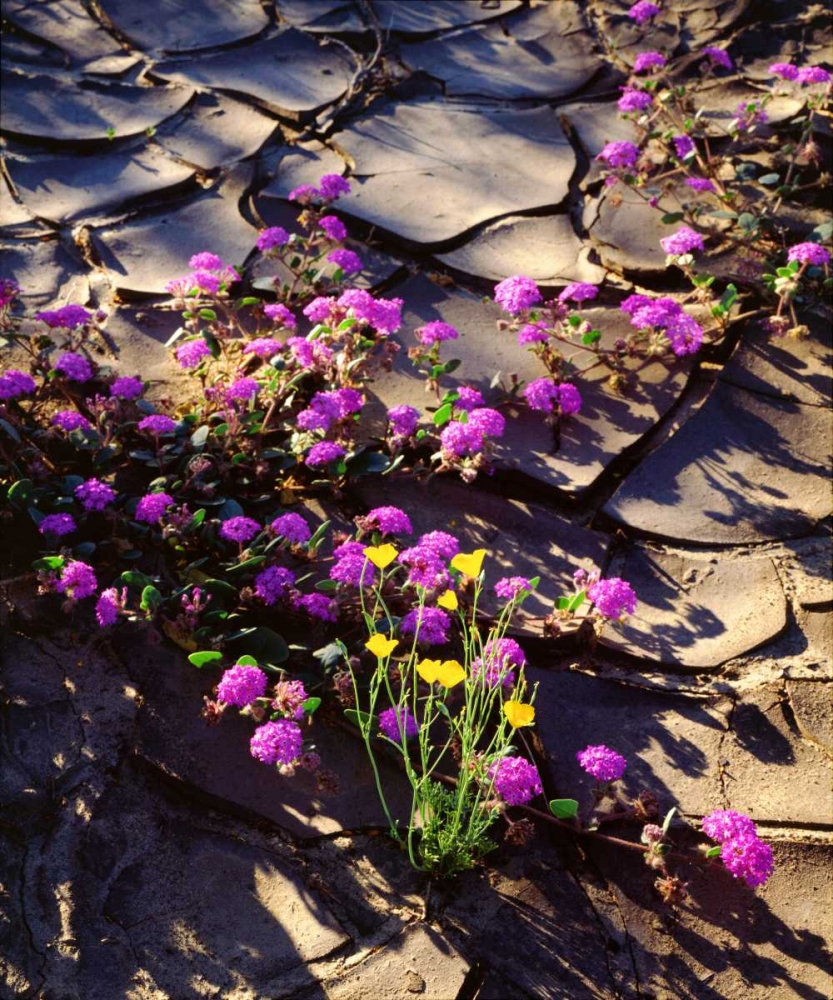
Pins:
<point x="109" y="605"/>
<point x="272" y="238"/>
<point x="432" y="624"/>
<point x="385" y="520"/>
<point x="9" y="291"/>
<point x="15" y="383"/>
<point x="69" y="420"/>
<point x="278" y="313"/>
<point x="786" y="71"/>
<point x="205" y="261"/>
<point x="682" y="330"/>
<point x="394" y="720"/>
<point x="352" y="567"/>
<point x="66" y="318"/>
<point x="277" y="742"/>
<point x="319" y="606"/>
<point x="634" y="100"/>
<point x="349" y="262"/>
<point x="403" y="421"/>
<point x="458" y="440"/>
<point x="682" y="242"/>
<point x="324" y="453"/>
<point x="77" y="581"/>
<point x="273" y="584"/>
<point x="319" y="309"/>
<point x="619" y="155"/>
<point x="809" y="253"/>
<point x="544" y="395"/>
<point x="243" y="390"/>
<point x="289" y="698"/>
<point x="57" y="525"/>
<point x="578" y="291"/>
<point x="74" y="367"/>
<point x="333" y="227"/>
<point x="509" y="587"/>
<point x="332" y="186"/>
<point x="718" y="57"/>
<point x="486" y="421"/>
<point x="127" y="387"/>
<point x="643" y="11"/>
<point x="602" y="763"/>
<point x="812" y="74"/>
<point x="435" y="332"/>
<point x="426" y="561"/>
<point x="495" y="666"/>
<point x="533" y="333"/>
<point x="683" y="146"/>
<point x="515" y="780"/>
<point x="749" y="858"/>
<point x="262" y="347"/>
<point x="468" y="399"/>
<point x="726" y="824"/>
<point x="613" y="597"/>
<point x="699" y="184"/>
<point x="646" y="62"/>
<point x="240" y="685"/>
<point x="152" y="507"/>
<point x="95" y="495"/>
<point x="239" y="529"/>
<point x="192" y="353"/>
<point x="516" y="294"/>
<point x="292" y="527"/>
<point x="157" y="424"/>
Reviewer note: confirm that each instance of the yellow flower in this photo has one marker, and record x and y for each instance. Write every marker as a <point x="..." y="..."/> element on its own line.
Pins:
<point x="428" y="670"/>
<point x="448" y="600"/>
<point x="469" y="563"/>
<point x="519" y="714"/>
<point x="381" y="555"/>
<point x="450" y="673"/>
<point x="380" y="645"/>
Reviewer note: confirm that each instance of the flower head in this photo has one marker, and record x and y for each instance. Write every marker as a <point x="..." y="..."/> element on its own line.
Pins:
<point x="486" y="421"/>
<point x="381" y="555"/>
<point x="518" y="713"/>
<point x="431" y="624"/>
<point x="435" y="332"/>
<point x="108" y="606"/>
<point x="458" y="440"/>
<point x="533" y="333"/>
<point x="386" y="520"/>
<point x="57" y="525"/>
<point x="289" y="698"/>
<point x="726" y="824"/>
<point x="510" y="587"/>
<point x="786" y="71"/>
<point x="191" y="353"/>
<point x="332" y="187"/>
<point x="515" y="780"/>
<point x="65" y="318"/>
<point x="278" y="742"/>
<point x="14" y="383"/>
<point x="516" y="294"/>
<point x="403" y="420"/>
<point x="602" y="763"/>
<point x="809" y="253"/>
<point x="333" y="227"/>
<point x="240" y="685"/>
<point x="469" y="563"/>
<point x="324" y="453"/>
<point x="634" y="100"/>
<point x="239" y="529"/>
<point x="646" y="62"/>
<point x="643" y="11"/>
<point x="127" y="387"/>
<point x="243" y="390"/>
<point x="74" y="367"/>
<point x="613" y="597"/>
<point x="69" y="420"/>
<point x="396" y="723"/>
<point x="682" y="242"/>
<point x="349" y="262"/>
<point x="77" y="581"/>
<point x="271" y="239"/>
<point x="748" y="857"/>
<point x="579" y="291"/>
<point x="352" y="566"/>
<point x="699" y="184"/>
<point x="619" y="154"/>
<point x="262" y="347"/>
<point x="157" y="424"/>
<point x="381" y="646"/>
<point x="319" y="606"/>
<point x="684" y="146"/>
<point x="468" y="399"/>
<point x="812" y="74"/>
<point x="152" y="507"/>
<point x="273" y="584"/>
<point x="9" y="291"/>
<point x="718" y="57"/>
<point x="292" y="527"/>
<point x="95" y="495"/>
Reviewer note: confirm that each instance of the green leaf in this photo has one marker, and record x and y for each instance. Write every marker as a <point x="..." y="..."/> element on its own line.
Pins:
<point x="443" y="415"/>
<point x="368" y="463"/>
<point x="208" y="658"/>
<point x="199" y="437"/>
<point x="591" y="337"/>
<point x="330" y="655"/>
<point x="729" y="297"/>
<point x="209" y="315"/>
<point x="576" y="601"/>
<point x="246" y="661"/>
<point x="10" y="430"/>
<point x="136" y="579"/>
<point x="443" y="709"/>
<point x="318" y="535"/>
<point x="151" y="599"/>
<point x="724" y="214"/>
<point x="564" y="808"/>
<point x="667" y="821"/>
<point x="220" y="591"/>
<point x="364" y="720"/>
<point x="228" y="509"/>
<point x="310" y="705"/>
<point x="671" y="218"/>
<point x="452" y="366"/>
<point x="83" y="550"/>
<point x="19" y="491"/>
<point x="196" y="520"/>
<point x="249" y="300"/>
<point x="562" y="603"/>
<point x="265" y="645"/>
<point x="769" y="179"/>
<point x="747" y="221"/>
<point x="248" y="564"/>
<point x="326" y="586"/>
<point x="784" y="272"/>
<point x="48" y="564"/>
<point x="713" y="852"/>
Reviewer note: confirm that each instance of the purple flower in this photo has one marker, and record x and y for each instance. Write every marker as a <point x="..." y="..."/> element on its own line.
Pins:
<point x="487" y="421"/>
<point x="727" y="824"/>
<point x="272" y="585"/>
<point x="271" y="239"/>
<point x="14" y="383"/>
<point x="435" y="332"/>
<point x="243" y="390"/>
<point x="647" y="61"/>
<point x="108" y="606"/>
<point x="333" y="227"/>
<point x="426" y="560"/>
<point x="387" y="315"/>
<point x="749" y="858"/>
<point x="324" y="453"/>
<point x="812" y="74"/>
<point x="385" y="520"/>
<point x="319" y="606"/>
<point x="192" y="352"/>
<point x="682" y="242"/>
<point x="785" y="70"/>
<point x="515" y="780"/>
<point x="509" y="587"/>
<point x="643" y="11"/>
<point x="492" y="673"/>
<point x="348" y="261"/>
<point x="77" y="581"/>
<point x="206" y="261"/>
<point x="619" y="154"/>
<point x="393" y="721"/>
<point x="468" y="398"/>
<point x="74" y="367"/>
<point x="332" y="187"/>
<point x="239" y="529"/>
<point x="304" y="193"/>
<point x="57" y="525"/>
<point x="602" y="763"/>
<point x="69" y="420"/>
<point x="569" y="399"/>
<point x="516" y="294"/>
<point x="634" y="100"/>
<point x="505" y="651"/>
<point x="533" y="333"/>
<point x="127" y="387"/>
<point x="309" y="354"/>
<point x="541" y="394"/>
<point x="699" y="184"/>
<point x="278" y="313"/>
<point x="748" y="114"/>
<point x="241" y="685"/>
<point x="292" y="527"/>
<point x="157" y="424"/>
<point x="152" y="507"/>
<point x="319" y="309"/>
<point x="206" y="282"/>
<point x="66" y="318"/>
<point x="459" y="440"/>
<point x="684" y="146"/>
<point x="579" y="291"/>
<point x="613" y="597"/>
<point x="277" y="742"/>
<point x="95" y="495"/>
<point x="262" y="347"/>
<point x="349" y="401"/>
<point x="289" y="698"/>
<point x="9" y="291"/>
<point x="431" y="623"/>
<point x="718" y="57"/>
<point x="809" y="253"/>
<point x="685" y="334"/>
<point x="403" y="420"/>
<point x="352" y="566"/>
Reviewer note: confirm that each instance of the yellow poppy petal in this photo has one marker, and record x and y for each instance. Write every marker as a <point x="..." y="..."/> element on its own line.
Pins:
<point x="469" y="563"/>
<point x="448" y="600"/>
<point x="450" y="673"/>
<point x="428" y="670"/>
<point x="518" y="714"/>
<point x="381" y="555"/>
<point x="380" y="645"/>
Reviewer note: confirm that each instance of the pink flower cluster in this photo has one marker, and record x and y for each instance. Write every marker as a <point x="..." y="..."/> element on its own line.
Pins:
<point x="544" y="395"/>
<point x="241" y="685"/>
<point x="278" y="742"/>
<point x="742" y="851"/>
<point x="515" y="780"/>
<point x="385" y="520"/>
<point x="613" y="597"/>
<point x="602" y="763"/>
<point x="684" y="332"/>
<point x="432" y="625"/>
<point x="393" y="722"/>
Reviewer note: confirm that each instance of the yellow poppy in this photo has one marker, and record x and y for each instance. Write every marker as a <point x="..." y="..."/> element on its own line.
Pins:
<point x="450" y="673"/>
<point x="448" y="600"/>
<point x="469" y="563"/>
<point x="381" y="555"/>
<point x="519" y="714"/>
<point x="380" y="645"/>
<point x="428" y="670"/>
